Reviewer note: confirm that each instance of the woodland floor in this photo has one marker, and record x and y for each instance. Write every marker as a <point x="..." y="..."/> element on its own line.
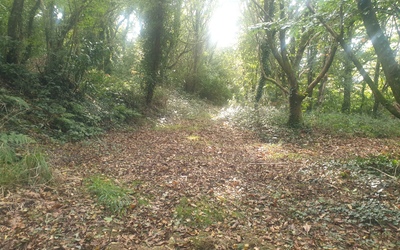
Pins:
<point x="205" y="184"/>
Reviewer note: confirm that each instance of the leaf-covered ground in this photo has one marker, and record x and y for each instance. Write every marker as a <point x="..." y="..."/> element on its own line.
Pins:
<point x="205" y="184"/>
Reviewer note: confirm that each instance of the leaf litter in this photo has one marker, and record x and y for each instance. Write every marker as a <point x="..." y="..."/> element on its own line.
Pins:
<point x="205" y="184"/>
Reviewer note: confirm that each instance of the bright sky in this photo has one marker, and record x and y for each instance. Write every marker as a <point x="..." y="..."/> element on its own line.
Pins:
<point x="224" y="27"/>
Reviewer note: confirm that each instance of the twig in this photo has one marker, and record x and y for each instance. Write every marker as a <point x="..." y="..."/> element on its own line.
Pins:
<point x="380" y="171"/>
<point x="333" y="186"/>
<point x="267" y="163"/>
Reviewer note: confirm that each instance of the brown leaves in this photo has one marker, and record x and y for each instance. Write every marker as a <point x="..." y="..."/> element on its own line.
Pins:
<point x="240" y="193"/>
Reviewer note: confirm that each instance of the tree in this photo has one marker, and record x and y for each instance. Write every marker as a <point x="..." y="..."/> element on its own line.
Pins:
<point x="289" y="32"/>
<point x="382" y="49"/>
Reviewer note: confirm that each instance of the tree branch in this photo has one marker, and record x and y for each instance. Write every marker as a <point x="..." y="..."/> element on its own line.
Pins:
<point x="324" y="70"/>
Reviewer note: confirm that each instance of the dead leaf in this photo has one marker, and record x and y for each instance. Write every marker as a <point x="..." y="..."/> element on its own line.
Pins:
<point x="307" y="228"/>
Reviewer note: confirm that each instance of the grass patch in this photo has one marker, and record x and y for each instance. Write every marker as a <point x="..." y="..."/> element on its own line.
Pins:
<point x="200" y="213"/>
<point x="19" y="164"/>
<point x="113" y="197"/>
<point x="204" y="242"/>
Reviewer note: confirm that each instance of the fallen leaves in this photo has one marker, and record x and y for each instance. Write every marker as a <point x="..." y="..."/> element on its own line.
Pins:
<point x="239" y="193"/>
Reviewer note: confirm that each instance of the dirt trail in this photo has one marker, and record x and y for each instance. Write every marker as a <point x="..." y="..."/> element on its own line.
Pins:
<point x="201" y="184"/>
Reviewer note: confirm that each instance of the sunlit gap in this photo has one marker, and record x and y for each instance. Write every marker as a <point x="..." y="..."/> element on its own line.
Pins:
<point x="299" y="6"/>
<point x="224" y="23"/>
<point x="131" y="25"/>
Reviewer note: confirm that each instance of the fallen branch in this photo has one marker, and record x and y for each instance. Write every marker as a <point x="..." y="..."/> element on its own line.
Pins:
<point x="380" y="171"/>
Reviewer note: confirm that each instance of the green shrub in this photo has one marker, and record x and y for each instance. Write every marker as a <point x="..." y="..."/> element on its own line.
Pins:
<point x="214" y="90"/>
<point x="211" y="83"/>
<point x="111" y="196"/>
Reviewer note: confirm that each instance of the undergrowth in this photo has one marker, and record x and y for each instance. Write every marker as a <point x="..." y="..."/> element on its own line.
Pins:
<point x="338" y="124"/>
<point x="49" y="108"/>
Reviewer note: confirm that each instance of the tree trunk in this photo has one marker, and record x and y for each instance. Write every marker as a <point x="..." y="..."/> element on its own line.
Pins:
<point x="376" y="80"/>
<point x="295" y="109"/>
<point x="154" y="30"/>
<point x="264" y="55"/>
<point x="361" y="109"/>
<point x="347" y="86"/>
<point x="381" y="44"/>
<point x="321" y="91"/>
<point x="311" y="53"/>
<point x="14" y="31"/>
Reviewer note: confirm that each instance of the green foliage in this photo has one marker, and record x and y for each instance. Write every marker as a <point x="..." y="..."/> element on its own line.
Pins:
<point x="201" y="213"/>
<point x="214" y="89"/>
<point x="253" y="118"/>
<point x="371" y="212"/>
<point x="213" y="81"/>
<point x="101" y="101"/>
<point x="12" y="108"/>
<point x="18" y="164"/>
<point x="113" y="197"/>
<point x="364" y="213"/>
<point x="122" y="113"/>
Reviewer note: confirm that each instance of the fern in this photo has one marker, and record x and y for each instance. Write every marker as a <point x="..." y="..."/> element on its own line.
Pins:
<point x="15" y="139"/>
<point x="13" y="100"/>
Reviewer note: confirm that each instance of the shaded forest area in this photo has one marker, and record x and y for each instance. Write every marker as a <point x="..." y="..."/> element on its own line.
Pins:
<point x="124" y="126"/>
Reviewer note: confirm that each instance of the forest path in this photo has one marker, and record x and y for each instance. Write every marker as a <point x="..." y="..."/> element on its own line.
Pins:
<point x="204" y="184"/>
